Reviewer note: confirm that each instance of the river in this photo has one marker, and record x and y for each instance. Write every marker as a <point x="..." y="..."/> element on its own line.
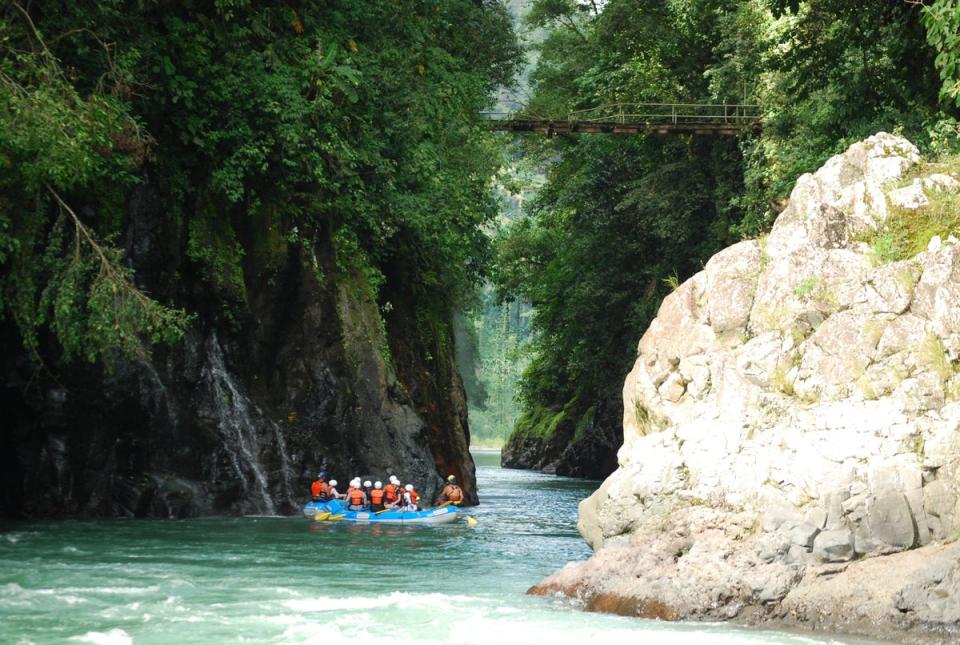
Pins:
<point x="278" y="580"/>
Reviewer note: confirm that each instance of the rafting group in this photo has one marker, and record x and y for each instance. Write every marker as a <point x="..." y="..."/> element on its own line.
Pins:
<point x="377" y="498"/>
<point x="372" y="502"/>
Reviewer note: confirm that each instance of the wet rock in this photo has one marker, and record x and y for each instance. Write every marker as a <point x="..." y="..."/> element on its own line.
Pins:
<point x="834" y="546"/>
<point x="589" y="453"/>
<point x="239" y="416"/>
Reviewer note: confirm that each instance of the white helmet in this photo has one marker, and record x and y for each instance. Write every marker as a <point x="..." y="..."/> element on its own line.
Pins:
<point x="367" y="484"/>
<point x="408" y="487"/>
<point x="378" y="485"/>
<point x="333" y="482"/>
<point x="355" y="482"/>
<point x="394" y="480"/>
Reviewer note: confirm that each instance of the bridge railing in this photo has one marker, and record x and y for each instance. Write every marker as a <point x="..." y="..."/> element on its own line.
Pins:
<point x="653" y="113"/>
<point x="675" y="113"/>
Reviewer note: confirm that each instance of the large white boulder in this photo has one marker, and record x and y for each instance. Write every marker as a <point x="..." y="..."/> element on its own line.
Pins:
<point x="792" y="426"/>
<point x="793" y="378"/>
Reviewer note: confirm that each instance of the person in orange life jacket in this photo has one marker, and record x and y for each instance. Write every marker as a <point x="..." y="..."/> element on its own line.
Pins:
<point x="411" y="499"/>
<point x="332" y="492"/>
<point x="451" y="492"/>
<point x="319" y="489"/>
<point x="356" y="498"/>
<point x="376" y="497"/>
<point x="367" y="487"/>
<point x="391" y="493"/>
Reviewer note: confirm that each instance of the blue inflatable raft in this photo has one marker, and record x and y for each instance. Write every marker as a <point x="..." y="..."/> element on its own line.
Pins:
<point x="335" y="511"/>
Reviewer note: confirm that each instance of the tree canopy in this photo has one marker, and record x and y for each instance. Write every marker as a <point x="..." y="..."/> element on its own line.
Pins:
<point x="262" y="124"/>
<point x="621" y="221"/>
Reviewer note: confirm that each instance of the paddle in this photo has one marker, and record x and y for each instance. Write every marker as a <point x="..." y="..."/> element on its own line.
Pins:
<point x="319" y="517"/>
<point x="470" y="519"/>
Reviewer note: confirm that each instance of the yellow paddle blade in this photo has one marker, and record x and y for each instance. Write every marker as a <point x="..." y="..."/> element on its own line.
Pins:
<point x="471" y="521"/>
<point x="333" y="518"/>
<point x="319" y="517"/>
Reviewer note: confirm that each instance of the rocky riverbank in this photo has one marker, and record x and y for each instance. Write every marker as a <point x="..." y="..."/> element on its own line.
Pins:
<point x="566" y="443"/>
<point x="792" y="425"/>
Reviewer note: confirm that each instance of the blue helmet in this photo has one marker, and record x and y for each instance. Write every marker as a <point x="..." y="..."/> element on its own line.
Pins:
<point x="322" y="475"/>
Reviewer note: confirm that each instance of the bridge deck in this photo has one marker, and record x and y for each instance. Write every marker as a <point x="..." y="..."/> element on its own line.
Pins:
<point x="557" y="127"/>
<point x="639" y="118"/>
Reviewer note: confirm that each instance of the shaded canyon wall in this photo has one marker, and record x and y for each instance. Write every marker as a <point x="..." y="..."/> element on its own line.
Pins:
<point x="238" y="416"/>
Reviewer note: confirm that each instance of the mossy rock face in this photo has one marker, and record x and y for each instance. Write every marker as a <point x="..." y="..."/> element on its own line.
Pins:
<point x="306" y="375"/>
<point x="573" y="441"/>
<point x="537" y="439"/>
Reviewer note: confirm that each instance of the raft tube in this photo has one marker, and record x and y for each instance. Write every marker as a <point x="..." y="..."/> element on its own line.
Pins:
<point x="335" y="511"/>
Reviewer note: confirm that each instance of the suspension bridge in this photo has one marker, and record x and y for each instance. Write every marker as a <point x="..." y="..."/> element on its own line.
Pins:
<point x="638" y="118"/>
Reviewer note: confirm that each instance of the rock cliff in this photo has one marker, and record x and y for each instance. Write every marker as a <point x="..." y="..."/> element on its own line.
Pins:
<point x="238" y="416"/>
<point x="566" y="443"/>
<point x="792" y="426"/>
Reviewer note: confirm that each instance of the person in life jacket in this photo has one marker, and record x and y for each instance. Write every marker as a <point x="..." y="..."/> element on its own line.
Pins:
<point x="377" y="497"/>
<point x="332" y="492"/>
<point x="319" y="488"/>
<point x="411" y="499"/>
<point x="356" y="498"/>
<point x="391" y="492"/>
<point x="451" y="492"/>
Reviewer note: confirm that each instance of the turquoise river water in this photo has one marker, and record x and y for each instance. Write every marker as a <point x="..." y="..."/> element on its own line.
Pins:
<point x="290" y="580"/>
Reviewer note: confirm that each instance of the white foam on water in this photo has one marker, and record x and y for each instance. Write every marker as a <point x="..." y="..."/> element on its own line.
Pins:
<point x="326" y="634"/>
<point x="397" y="598"/>
<point x="105" y="591"/>
<point x="190" y="619"/>
<point x="314" y="633"/>
<point x="576" y="629"/>
<point x="121" y="610"/>
<point x="263" y="516"/>
<point x="400" y="618"/>
<point x="13" y="595"/>
<point x="112" y="637"/>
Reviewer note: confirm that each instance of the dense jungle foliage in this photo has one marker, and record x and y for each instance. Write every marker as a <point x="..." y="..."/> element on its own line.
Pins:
<point x="497" y="336"/>
<point x="621" y="220"/>
<point x="266" y="127"/>
<point x="262" y="126"/>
